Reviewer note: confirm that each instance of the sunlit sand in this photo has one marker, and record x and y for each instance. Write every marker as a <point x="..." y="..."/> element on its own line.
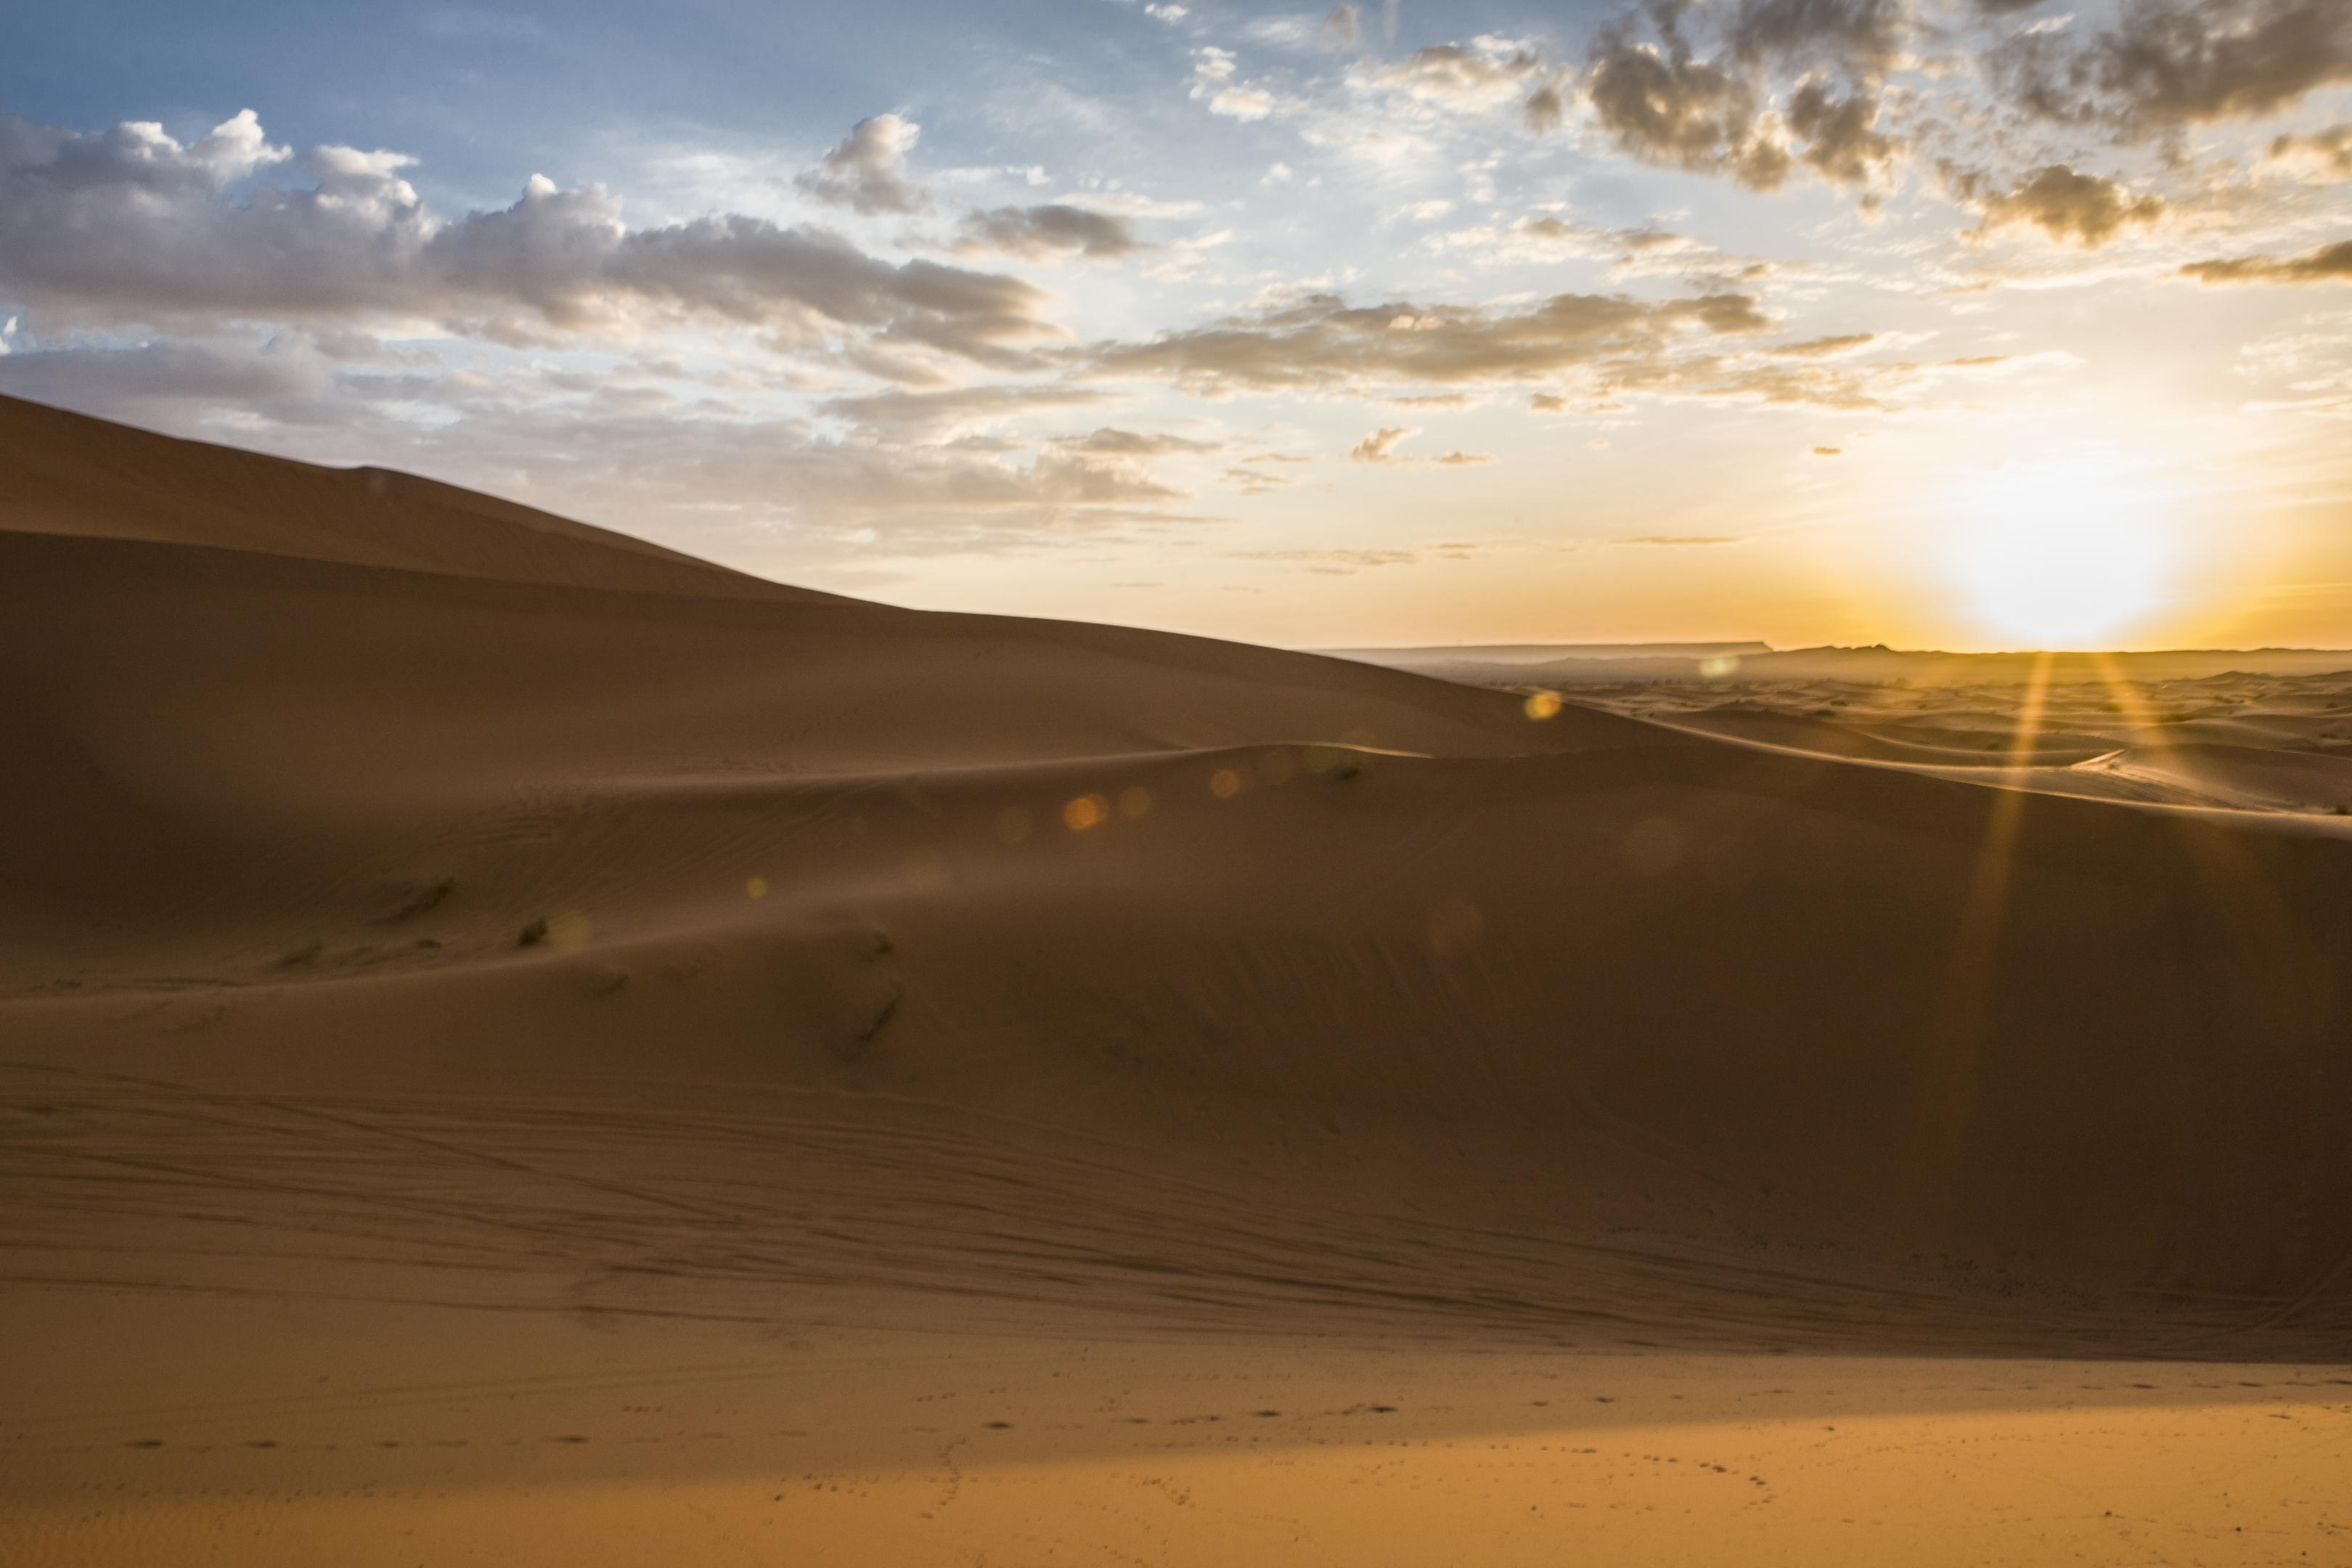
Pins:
<point x="525" y="1046"/>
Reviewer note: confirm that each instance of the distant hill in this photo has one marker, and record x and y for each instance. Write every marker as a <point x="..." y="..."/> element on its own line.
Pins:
<point x="1542" y="653"/>
<point x="1736" y="663"/>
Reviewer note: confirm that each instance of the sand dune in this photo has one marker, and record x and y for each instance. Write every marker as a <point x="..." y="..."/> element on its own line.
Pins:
<point x="1702" y="664"/>
<point x="424" y="906"/>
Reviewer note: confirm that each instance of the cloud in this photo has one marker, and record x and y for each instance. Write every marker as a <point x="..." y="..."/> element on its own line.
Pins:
<point x="1544" y="111"/>
<point x="1820" y="348"/>
<point x="128" y="225"/>
<point x="1678" y="539"/>
<point x="1212" y="79"/>
<point x="1661" y="105"/>
<point x="723" y="477"/>
<point x="1648" y="251"/>
<point x="1487" y="74"/>
<point x="2317" y="154"/>
<point x="1049" y="232"/>
<point x="2165" y="64"/>
<point x="1380" y="447"/>
<point x="867" y="171"/>
<point x="1340" y="27"/>
<point x="941" y="416"/>
<point x="1857" y="36"/>
<point x="1842" y="143"/>
<point x="2066" y="206"/>
<point x="2329" y="264"/>
<point x="1659" y="101"/>
<point x="1128" y="443"/>
<point x="1243" y="103"/>
<point x="287" y="377"/>
<point x="1321" y="342"/>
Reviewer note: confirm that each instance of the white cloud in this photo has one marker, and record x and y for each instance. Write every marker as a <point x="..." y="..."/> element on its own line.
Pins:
<point x="128" y="225"/>
<point x="1243" y="103"/>
<point x="1212" y="79"/>
<point x="867" y="171"/>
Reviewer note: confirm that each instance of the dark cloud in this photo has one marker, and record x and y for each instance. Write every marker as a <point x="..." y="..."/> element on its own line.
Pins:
<point x="128" y="225"/>
<point x="1043" y="233"/>
<point x="1855" y="36"/>
<point x="1381" y="446"/>
<point x="1661" y="105"/>
<point x="1664" y="104"/>
<point x="1321" y="342"/>
<point x="1544" y="110"/>
<point x="2165" y="64"/>
<point x="867" y="171"/>
<point x="2089" y="209"/>
<point x="2328" y="264"/>
<point x="1842" y="143"/>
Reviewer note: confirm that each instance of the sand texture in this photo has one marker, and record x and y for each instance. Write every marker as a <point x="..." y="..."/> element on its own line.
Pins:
<point x="520" y="1045"/>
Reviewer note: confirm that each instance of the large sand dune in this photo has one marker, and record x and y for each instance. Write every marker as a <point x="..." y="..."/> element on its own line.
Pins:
<point x="420" y="905"/>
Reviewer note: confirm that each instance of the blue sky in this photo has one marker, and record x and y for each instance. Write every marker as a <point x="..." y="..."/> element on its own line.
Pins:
<point x="1746" y="318"/>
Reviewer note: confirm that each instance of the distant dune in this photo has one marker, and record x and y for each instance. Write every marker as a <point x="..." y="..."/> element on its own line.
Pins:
<point x="1735" y="664"/>
<point x="1541" y="653"/>
<point x="414" y="899"/>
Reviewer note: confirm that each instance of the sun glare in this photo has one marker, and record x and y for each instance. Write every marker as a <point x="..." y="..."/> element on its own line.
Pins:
<point x="2059" y="564"/>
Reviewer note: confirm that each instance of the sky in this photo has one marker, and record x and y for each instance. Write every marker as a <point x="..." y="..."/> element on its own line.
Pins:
<point x="1940" y="324"/>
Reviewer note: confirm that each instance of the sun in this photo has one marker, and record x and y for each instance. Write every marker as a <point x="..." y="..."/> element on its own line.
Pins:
<point x="2060" y="564"/>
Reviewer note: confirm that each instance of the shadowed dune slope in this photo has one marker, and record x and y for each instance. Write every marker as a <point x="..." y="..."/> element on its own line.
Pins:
<point x="316" y="801"/>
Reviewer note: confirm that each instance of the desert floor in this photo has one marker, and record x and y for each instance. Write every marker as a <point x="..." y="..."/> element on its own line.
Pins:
<point x="519" y="1047"/>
